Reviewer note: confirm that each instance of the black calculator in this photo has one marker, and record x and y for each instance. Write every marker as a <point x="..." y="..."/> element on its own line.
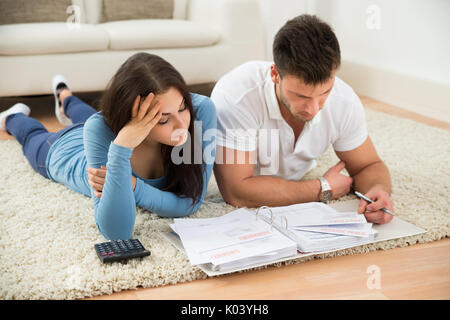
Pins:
<point x="120" y="250"/>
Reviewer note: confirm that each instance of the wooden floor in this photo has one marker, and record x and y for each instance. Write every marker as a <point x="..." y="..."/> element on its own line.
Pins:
<point x="421" y="271"/>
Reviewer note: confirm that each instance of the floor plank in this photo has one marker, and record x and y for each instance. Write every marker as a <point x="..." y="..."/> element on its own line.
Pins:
<point x="416" y="272"/>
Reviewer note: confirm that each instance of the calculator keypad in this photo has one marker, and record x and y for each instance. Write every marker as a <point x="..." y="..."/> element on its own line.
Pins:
<point x="118" y="250"/>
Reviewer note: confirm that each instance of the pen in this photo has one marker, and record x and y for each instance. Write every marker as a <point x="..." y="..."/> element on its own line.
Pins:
<point x="359" y="195"/>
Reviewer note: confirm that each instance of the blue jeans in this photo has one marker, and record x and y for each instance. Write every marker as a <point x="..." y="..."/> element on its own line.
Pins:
<point x="36" y="140"/>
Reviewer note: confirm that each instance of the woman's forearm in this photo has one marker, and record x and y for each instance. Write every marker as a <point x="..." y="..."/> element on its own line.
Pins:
<point x="168" y="204"/>
<point x="115" y="211"/>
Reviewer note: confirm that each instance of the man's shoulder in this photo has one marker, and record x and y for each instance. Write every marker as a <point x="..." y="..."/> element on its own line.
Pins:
<point x="244" y="80"/>
<point x="255" y="65"/>
<point x="343" y="105"/>
<point x="343" y="92"/>
<point x="249" y="69"/>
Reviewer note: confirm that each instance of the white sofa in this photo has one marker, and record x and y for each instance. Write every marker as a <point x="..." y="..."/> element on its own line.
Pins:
<point x="204" y="40"/>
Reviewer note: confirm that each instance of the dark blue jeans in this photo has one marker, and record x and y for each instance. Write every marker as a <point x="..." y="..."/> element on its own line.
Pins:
<point x="36" y="140"/>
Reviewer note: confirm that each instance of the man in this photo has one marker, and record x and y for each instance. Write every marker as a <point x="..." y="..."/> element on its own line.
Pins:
<point x="275" y="119"/>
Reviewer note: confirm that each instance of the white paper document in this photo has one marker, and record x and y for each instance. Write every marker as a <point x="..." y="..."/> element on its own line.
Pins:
<point x="233" y="228"/>
<point x="311" y="214"/>
<point x="317" y="227"/>
<point x="363" y="230"/>
<point x="309" y="241"/>
<point x="231" y="237"/>
<point x="270" y="246"/>
<point x="244" y="238"/>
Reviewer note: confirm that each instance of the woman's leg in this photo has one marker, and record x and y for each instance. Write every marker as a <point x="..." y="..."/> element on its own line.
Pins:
<point x="77" y="110"/>
<point x="34" y="138"/>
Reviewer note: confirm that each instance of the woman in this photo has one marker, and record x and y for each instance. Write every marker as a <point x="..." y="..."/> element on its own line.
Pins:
<point x="146" y="117"/>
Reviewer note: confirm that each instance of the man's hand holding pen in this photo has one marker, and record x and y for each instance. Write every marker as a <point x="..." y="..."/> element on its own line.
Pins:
<point x="379" y="209"/>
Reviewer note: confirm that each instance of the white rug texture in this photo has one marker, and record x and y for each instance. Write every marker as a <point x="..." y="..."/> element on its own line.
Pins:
<point x="47" y="232"/>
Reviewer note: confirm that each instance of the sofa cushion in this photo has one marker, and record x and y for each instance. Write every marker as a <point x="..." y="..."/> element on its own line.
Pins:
<point x="94" y="9"/>
<point x="116" y="10"/>
<point x="158" y="33"/>
<point x="51" y="37"/>
<point x="26" y="11"/>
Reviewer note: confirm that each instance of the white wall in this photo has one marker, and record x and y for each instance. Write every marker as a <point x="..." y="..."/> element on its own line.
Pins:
<point x="413" y="35"/>
<point x="275" y="13"/>
<point x="394" y="51"/>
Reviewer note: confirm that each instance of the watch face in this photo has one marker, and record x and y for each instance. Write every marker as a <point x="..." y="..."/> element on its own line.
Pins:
<point x="326" y="195"/>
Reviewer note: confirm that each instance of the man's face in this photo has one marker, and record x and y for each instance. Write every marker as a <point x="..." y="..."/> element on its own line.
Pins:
<point x="302" y="101"/>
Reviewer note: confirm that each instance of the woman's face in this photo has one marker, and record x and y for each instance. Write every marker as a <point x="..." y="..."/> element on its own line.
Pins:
<point x="172" y="128"/>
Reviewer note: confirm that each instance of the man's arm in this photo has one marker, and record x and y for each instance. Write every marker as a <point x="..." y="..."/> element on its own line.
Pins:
<point x="372" y="178"/>
<point x="366" y="167"/>
<point x="240" y="188"/>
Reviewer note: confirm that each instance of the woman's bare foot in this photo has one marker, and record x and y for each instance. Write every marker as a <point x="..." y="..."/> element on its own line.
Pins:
<point x="62" y="95"/>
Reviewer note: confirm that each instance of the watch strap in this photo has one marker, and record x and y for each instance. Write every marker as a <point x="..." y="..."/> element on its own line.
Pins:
<point x="324" y="184"/>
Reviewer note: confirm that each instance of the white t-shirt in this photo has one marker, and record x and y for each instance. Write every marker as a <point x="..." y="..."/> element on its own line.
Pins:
<point x="249" y="119"/>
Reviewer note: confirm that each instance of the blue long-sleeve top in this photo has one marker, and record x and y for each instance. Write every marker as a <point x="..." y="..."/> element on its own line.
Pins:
<point x="115" y="211"/>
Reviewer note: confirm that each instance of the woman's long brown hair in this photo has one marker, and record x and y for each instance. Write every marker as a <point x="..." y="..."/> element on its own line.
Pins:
<point x="142" y="74"/>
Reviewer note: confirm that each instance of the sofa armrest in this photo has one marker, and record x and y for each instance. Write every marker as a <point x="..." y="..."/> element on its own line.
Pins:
<point x="237" y="21"/>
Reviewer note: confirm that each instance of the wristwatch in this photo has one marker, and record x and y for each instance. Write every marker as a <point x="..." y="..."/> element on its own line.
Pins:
<point x="326" y="194"/>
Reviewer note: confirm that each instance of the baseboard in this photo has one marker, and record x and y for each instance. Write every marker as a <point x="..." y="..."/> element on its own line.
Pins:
<point x="92" y="98"/>
<point x="418" y="95"/>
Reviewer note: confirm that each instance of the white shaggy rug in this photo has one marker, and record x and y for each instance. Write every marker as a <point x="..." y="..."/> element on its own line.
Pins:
<point x="47" y="232"/>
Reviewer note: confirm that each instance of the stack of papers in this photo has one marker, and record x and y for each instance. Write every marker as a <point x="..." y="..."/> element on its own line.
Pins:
<point x="317" y="227"/>
<point x="313" y="218"/>
<point x="233" y="240"/>
<point x="243" y="237"/>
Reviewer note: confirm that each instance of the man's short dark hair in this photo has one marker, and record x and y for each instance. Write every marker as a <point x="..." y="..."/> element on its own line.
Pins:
<point x="306" y="47"/>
